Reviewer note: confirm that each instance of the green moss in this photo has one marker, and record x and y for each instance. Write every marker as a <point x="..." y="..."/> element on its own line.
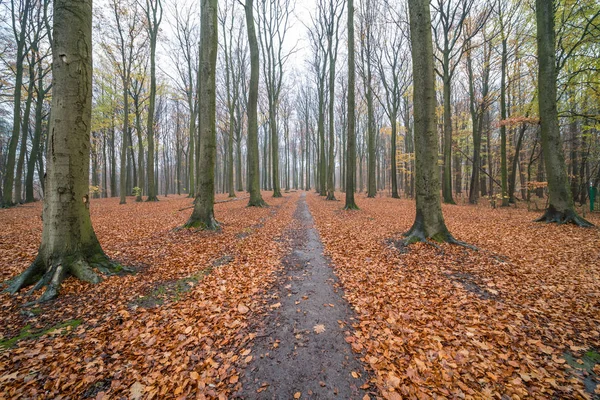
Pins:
<point x="440" y="237"/>
<point x="593" y="356"/>
<point x="27" y="333"/>
<point x="195" y="225"/>
<point x="171" y="291"/>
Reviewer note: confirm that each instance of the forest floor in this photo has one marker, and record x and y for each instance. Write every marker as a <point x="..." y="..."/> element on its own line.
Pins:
<point x="519" y="318"/>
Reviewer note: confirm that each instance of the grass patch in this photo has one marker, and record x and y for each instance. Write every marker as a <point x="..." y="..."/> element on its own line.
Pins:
<point x="27" y="333"/>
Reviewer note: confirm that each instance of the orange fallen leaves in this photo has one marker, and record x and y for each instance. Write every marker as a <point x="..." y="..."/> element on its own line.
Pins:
<point x="187" y="345"/>
<point x="462" y="324"/>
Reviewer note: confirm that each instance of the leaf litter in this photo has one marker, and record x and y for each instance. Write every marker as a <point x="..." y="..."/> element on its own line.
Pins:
<point x="461" y="323"/>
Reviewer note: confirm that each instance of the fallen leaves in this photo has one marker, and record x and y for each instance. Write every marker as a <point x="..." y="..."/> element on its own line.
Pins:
<point x="189" y="345"/>
<point x="462" y="324"/>
<point x="320" y="328"/>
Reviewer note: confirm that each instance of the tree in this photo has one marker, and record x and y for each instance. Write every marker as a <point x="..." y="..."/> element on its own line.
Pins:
<point x="561" y="208"/>
<point x="429" y="221"/>
<point x="69" y="245"/>
<point x="392" y="65"/>
<point x="368" y="21"/>
<point x="186" y="32"/>
<point x="127" y="30"/>
<point x="41" y="88"/>
<point x="334" y="15"/>
<point x="273" y="24"/>
<point x="451" y="16"/>
<point x="203" y="215"/>
<point x="20" y="11"/>
<point x="351" y="141"/>
<point x="231" y="86"/>
<point x="256" y="199"/>
<point x="154" y="13"/>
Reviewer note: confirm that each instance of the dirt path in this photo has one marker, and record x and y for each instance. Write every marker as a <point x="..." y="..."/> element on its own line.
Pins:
<point x="301" y="348"/>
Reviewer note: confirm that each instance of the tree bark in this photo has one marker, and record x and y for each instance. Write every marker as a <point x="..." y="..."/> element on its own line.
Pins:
<point x="154" y="17"/>
<point x="351" y="132"/>
<point x="561" y="208"/>
<point x="256" y="199"/>
<point x="429" y="221"/>
<point x="69" y="245"/>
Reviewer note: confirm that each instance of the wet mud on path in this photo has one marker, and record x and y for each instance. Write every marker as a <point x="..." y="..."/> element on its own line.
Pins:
<point x="300" y="350"/>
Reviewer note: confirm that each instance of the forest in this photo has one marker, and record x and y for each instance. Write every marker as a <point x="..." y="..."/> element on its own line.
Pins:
<point x="277" y="199"/>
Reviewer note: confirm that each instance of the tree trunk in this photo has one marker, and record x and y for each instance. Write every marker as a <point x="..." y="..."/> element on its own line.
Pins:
<point x="124" y="142"/>
<point x="69" y="245"/>
<point x="447" y="147"/>
<point x="503" y="115"/>
<point x="24" y="135"/>
<point x="152" y="13"/>
<point x="429" y="221"/>
<point x="256" y="199"/>
<point x="561" y="208"/>
<point x="351" y="132"/>
<point x="37" y="134"/>
<point x="9" y="172"/>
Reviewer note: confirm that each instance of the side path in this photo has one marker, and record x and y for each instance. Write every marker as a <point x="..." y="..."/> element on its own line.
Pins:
<point x="301" y="350"/>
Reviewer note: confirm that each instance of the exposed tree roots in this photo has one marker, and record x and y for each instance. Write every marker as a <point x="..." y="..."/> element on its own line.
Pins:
<point x="257" y="203"/>
<point x="352" y="206"/>
<point x="52" y="272"/>
<point x="151" y="199"/>
<point x="552" y="215"/>
<point x="417" y="234"/>
<point x="210" y="225"/>
<point x="330" y="196"/>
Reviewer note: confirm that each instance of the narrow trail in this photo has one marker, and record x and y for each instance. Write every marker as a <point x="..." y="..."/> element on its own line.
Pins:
<point x="301" y="347"/>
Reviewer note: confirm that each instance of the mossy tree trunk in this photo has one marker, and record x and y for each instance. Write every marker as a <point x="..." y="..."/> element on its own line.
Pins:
<point x="429" y="222"/>
<point x="69" y="245"/>
<point x="561" y="208"/>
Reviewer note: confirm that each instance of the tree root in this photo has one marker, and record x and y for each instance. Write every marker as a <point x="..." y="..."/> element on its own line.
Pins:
<point x="52" y="273"/>
<point x="210" y="225"/>
<point x="257" y="203"/>
<point x="552" y="215"/>
<point x="417" y="234"/>
<point x="330" y="197"/>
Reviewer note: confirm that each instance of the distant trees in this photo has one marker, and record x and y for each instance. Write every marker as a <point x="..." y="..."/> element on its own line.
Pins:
<point x="145" y="124"/>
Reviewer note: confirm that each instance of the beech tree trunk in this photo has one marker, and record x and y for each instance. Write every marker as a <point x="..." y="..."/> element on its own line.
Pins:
<point x="154" y="17"/>
<point x="561" y="208"/>
<point x="256" y="199"/>
<point x="429" y="221"/>
<point x="69" y="245"/>
<point x="351" y="142"/>
<point x="203" y="215"/>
